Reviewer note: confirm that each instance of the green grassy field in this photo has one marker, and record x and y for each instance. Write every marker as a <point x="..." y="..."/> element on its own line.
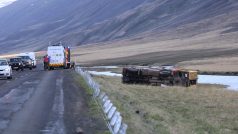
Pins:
<point x="200" y="109"/>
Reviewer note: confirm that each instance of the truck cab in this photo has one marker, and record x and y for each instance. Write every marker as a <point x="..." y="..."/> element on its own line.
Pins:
<point x="188" y="77"/>
<point x="59" y="56"/>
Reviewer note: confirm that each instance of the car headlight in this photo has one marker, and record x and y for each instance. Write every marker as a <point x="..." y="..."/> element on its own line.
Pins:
<point x="7" y="69"/>
<point x="19" y="63"/>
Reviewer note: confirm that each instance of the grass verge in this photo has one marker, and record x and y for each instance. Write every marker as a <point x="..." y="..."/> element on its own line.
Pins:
<point x="95" y="110"/>
<point x="174" y="110"/>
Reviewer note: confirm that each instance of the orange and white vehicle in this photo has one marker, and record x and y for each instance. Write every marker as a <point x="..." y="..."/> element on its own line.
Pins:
<point x="59" y="56"/>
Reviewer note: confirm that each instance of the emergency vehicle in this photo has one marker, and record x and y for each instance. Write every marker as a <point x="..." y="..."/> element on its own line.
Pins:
<point x="59" y="56"/>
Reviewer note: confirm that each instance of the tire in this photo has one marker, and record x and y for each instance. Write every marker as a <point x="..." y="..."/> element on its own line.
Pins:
<point x="22" y="69"/>
<point x="195" y="82"/>
<point x="187" y="84"/>
<point x="30" y="68"/>
<point x="172" y="83"/>
<point x="51" y="68"/>
<point x="9" y="78"/>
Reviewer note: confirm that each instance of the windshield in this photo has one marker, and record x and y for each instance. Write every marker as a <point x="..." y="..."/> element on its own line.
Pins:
<point x="25" y="57"/>
<point x="3" y="63"/>
<point x="15" y="60"/>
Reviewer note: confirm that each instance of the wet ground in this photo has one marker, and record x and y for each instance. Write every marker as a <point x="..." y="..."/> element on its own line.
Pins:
<point x="45" y="102"/>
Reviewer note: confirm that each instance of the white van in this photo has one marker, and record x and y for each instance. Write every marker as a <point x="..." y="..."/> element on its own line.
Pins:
<point x="56" y="56"/>
<point x="32" y="55"/>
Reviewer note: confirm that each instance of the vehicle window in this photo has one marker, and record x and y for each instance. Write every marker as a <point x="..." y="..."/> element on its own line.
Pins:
<point x="25" y="57"/>
<point x="186" y="75"/>
<point x="180" y="74"/>
<point x="3" y="63"/>
<point x="14" y="60"/>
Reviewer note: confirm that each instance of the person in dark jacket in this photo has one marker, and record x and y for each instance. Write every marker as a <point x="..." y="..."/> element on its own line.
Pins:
<point x="46" y="62"/>
<point x="72" y="65"/>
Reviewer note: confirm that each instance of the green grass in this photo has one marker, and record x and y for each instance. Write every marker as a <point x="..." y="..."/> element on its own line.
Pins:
<point x="84" y="85"/>
<point x="196" y="110"/>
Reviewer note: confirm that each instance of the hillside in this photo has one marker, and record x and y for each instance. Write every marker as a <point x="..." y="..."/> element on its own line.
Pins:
<point x="32" y="24"/>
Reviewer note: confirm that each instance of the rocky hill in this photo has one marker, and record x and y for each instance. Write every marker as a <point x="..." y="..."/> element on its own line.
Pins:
<point x="32" y="24"/>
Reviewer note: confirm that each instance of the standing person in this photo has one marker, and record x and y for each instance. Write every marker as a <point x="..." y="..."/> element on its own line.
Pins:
<point x="46" y="62"/>
<point x="73" y="65"/>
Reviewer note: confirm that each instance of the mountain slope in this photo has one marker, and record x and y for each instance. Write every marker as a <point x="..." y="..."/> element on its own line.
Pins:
<point x="31" y="24"/>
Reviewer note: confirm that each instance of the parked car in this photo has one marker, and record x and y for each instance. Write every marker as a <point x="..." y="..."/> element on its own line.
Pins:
<point x="5" y="69"/>
<point x="27" y="62"/>
<point x="32" y="55"/>
<point x="16" y="63"/>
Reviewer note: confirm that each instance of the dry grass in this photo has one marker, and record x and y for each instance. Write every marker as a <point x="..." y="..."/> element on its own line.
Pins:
<point x="145" y="51"/>
<point x="176" y="110"/>
<point x="210" y="64"/>
<point x="210" y="40"/>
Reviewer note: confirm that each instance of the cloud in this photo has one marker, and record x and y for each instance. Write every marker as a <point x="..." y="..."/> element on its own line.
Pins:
<point x="4" y="3"/>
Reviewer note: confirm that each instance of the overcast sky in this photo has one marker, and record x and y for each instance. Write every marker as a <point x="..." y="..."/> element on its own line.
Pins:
<point x="4" y="3"/>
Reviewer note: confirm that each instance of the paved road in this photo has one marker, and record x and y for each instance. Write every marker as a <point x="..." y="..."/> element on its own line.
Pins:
<point x="44" y="102"/>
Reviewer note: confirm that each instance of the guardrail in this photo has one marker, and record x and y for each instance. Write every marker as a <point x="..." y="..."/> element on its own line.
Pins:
<point x="113" y="117"/>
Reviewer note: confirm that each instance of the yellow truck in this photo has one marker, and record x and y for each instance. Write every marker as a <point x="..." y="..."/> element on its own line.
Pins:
<point x="188" y="77"/>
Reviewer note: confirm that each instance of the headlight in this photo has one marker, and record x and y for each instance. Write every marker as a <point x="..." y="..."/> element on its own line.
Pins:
<point x="7" y="69"/>
<point x="19" y="63"/>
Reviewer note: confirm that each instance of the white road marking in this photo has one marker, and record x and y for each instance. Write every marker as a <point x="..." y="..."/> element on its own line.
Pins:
<point x="31" y="82"/>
